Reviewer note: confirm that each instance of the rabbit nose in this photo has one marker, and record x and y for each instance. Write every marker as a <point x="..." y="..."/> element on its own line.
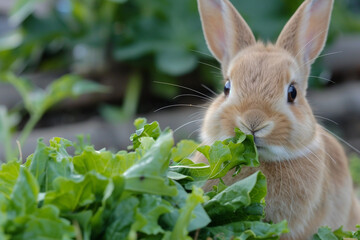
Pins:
<point x="255" y="122"/>
<point x="253" y="119"/>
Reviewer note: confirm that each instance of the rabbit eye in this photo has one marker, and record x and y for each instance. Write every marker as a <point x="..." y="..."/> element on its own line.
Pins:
<point x="227" y="88"/>
<point x="291" y="93"/>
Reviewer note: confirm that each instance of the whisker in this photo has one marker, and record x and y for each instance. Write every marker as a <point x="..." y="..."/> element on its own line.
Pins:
<point x="187" y="88"/>
<point x="187" y="124"/>
<point x="179" y="105"/>
<point x="316" y="156"/>
<point x="202" y="53"/>
<point x="323" y="55"/>
<point x="328" y="54"/>
<point x="207" y="64"/>
<point x="196" y="115"/>
<point x="303" y="48"/>
<point x="342" y="140"/>
<point x="328" y="119"/>
<point x="326" y="79"/>
<point x="209" y="89"/>
<point x="192" y="95"/>
<point x="197" y="130"/>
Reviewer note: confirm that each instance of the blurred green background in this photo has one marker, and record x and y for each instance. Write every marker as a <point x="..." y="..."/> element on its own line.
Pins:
<point x="159" y="39"/>
<point x="127" y="46"/>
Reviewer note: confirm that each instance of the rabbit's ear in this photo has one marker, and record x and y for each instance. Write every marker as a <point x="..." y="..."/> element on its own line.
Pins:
<point x="304" y="36"/>
<point x="226" y="32"/>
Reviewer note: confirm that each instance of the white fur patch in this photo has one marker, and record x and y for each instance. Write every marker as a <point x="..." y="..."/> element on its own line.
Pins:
<point x="282" y="153"/>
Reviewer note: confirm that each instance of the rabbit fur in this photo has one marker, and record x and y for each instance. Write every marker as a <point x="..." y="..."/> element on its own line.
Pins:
<point x="308" y="179"/>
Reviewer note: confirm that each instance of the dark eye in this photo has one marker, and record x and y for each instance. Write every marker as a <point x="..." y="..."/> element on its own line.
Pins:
<point x="227" y="88"/>
<point x="291" y="93"/>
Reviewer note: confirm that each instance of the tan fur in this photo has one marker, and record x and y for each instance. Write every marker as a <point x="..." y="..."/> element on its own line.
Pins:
<point x="306" y="168"/>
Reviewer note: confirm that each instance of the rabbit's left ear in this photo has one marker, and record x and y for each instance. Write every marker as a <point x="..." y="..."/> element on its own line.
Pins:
<point x="226" y="32"/>
<point x="305" y="34"/>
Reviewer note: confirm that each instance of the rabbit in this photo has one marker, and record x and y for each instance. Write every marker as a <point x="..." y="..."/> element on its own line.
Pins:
<point x="265" y="85"/>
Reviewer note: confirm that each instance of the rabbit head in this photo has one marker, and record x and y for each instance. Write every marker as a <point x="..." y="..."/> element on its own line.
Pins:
<point x="265" y="84"/>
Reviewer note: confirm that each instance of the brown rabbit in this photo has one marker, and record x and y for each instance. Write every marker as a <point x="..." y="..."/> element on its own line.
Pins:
<point x="307" y="172"/>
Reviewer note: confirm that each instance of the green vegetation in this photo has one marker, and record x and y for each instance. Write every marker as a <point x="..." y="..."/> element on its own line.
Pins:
<point x="325" y="233"/>
<point x="151" y="192"/>
<point x="37" y="101"/>
<point x="159" y="39"/>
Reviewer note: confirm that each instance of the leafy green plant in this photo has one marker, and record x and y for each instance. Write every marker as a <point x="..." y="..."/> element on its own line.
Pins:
<point x="37" y="101"/>
<point x="325" y="233"/>
<point x="151" y="192"/>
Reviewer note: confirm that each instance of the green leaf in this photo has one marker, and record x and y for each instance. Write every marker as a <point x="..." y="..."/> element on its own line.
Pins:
<point x="3" y="216"/>
<point x="103" y="162"/>
<point x="249" y="230"/>
<point x="10" y="40"/>
<point x="31" y="98"/>
<point x="177" y="176"/>
<point x="69" y="86"/>
<point x="45" y="223"/>
<point x="180" y="230"/>
<point x="175" y="61"/>
<point x="144" y="130"/>
<point x="197" y="173"/>
<point x="135" y="50"/>
<point x="183" y="150"/>
<point x="68" y="194"/>
<point x="152" y="207"/>
<point x="325" y="233"/>
<point x="230" y="153"/>
<point x="339" y="234"/>
<point x="122" y="219"/>
<point x="23" y="199"/>
<point x="109" y="201"/>
<point x="7" y="122"/>
<point x="50" y="162"/>
<point x="39" y="162"/>
<point x="9" y="174"/>
<point x="148" y="175"/>
<point x="242" y="201"/>
<point x="200" y="218"/>
<point x="81" y="223"/>
<point x="21" y="10"/>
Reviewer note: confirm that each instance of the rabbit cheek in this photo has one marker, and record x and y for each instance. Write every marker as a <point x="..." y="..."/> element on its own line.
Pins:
<point x="304" y="124"/>
<point x="212" y="128"/>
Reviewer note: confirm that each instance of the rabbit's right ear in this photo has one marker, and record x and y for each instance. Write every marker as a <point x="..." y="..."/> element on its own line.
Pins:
<point x="225" y="31"/>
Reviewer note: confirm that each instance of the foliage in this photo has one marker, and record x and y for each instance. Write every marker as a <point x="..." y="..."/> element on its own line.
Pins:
<point x="141" y="194"/>
<point x="37" y="101"/>
<point x="325" y="233"/>
<point x="160" y="39"/>
<point x="151" y="192"/>
<point x="151" y="37"/>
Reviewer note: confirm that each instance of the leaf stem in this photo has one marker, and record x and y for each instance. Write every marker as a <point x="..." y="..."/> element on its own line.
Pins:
<point x="5" y="134"/>
<point x="29" y="127"/>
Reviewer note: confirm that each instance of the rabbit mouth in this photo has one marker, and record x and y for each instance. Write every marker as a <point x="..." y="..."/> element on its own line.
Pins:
<point x="259" y="143"/>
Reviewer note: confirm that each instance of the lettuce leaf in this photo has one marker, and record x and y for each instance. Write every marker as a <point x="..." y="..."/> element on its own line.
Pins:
<point x="150" y="192"/>
<point x="230" y="153"/>
<point x="249" y="230"/>
<point x="9" y="174"/>
<point x="242" y="201"/>
<point x="326" y="233"/>
<point x="149" y="174"/>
